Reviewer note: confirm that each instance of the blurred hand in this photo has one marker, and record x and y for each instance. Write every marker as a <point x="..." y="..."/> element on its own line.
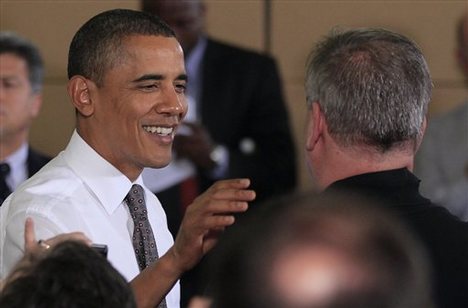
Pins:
<point x="196" y="146"/>
<point x="207" y="217"/>
<point x="31" y="246"/>
<point x="199" y="302"/>
<point x="33" y="250"/>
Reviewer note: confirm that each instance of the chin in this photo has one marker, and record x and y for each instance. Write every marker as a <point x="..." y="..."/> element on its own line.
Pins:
<point x="161" y="162"/>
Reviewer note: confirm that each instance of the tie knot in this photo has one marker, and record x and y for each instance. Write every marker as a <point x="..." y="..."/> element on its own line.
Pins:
<point x="4" y="169"/>
<point x="136" y="202"/>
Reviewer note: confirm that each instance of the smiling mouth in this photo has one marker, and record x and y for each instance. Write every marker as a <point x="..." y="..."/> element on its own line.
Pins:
<point x="159" y="130"/>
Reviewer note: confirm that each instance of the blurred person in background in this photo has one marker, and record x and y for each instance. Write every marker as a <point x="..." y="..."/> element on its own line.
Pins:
<point x="442" y="160"/>
<point x="69" y="274"/>
<point x="237" y="124"/>
<point x="21" y="78"/>
<point x="314" y="251"/>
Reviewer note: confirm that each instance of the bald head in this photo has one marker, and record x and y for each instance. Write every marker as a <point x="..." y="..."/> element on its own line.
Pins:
<point x="326" y="251"/>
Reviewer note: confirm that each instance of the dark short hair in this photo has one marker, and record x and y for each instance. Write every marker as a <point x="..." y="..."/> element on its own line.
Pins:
<point x="26" y="50"/>
<point x="97" y="46"/>
<point x="373" y="86"/>
<point x="71" y="275"/>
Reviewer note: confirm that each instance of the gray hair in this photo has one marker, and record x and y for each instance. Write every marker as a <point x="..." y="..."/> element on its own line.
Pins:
<point x="12" y="43"/>
<point x="373" y="86"/>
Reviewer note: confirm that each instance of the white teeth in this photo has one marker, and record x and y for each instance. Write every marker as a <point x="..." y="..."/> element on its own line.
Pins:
<point x="159" y="130"/>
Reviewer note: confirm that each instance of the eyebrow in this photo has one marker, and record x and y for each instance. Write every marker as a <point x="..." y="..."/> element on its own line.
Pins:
<point x="158" y="77"/>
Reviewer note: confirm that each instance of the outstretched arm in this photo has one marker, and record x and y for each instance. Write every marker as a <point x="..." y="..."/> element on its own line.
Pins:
<point x="204" y="219"/>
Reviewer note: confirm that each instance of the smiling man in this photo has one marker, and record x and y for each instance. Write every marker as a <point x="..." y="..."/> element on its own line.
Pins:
<point x="127" y="83"/>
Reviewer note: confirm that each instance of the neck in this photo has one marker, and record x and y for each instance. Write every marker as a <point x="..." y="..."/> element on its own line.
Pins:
<point x="342" y="162"/>
<point x="8" y="146"/>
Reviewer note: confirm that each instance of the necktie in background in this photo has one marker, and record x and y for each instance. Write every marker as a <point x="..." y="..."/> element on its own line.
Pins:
<point x="144" y="243"/>
<point x="188" y="192"/>
<point x="4" y="189"/>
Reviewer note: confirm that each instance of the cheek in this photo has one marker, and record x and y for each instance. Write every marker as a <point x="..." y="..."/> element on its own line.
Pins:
<point x="19" y="104"/>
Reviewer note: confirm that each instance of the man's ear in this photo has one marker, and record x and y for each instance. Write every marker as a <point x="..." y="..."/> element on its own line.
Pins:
<point x="315" y="126"/>
<point x="424" y="126"/>
<point x="421" y="135"/>
<point x="79" y="89"/>
<point x="36" y="103"/>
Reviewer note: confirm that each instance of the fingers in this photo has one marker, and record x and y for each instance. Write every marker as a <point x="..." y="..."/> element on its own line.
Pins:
<point x="73" y="236"/>
<point x="232" y="183"/>
<point x="207" y="217"/>
<point x="227" y="196"/>
<point x="199" y="302"/>
<point x="29" y="235"/>
<point x="234" y="190"/>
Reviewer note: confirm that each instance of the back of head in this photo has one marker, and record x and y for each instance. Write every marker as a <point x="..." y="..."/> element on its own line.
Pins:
<point x="98" y="44"/>
<point x="321" y="251"/>
<point x="26" y="50"/>
<point x="373" y="86"/>
<point x="72" y="275"/>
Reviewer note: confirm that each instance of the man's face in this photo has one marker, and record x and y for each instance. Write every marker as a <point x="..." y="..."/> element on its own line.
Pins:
<point x="18" y="104"/>
<point x="139" y="105"/>
<point x="185" y="17"/>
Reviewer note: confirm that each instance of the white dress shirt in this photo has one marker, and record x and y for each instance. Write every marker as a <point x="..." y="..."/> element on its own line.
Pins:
<point x="81" y="191"/>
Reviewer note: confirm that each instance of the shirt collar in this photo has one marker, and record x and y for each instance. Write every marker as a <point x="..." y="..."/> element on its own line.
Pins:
<point x="108" y="184"/>
<point x="192" y="62"/>
<point x="18" y="166"/>
<point x="193" y="66"/>
<point x="18" y="157"/>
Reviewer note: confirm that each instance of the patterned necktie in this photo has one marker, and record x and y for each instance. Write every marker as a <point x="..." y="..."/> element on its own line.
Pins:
<point x="143" y="238"/>
<point x="4" y="189"/>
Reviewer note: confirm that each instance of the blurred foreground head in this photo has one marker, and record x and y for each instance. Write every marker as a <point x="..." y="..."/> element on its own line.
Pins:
<point x="71" y="275"/>
<point x="321" y="251"/>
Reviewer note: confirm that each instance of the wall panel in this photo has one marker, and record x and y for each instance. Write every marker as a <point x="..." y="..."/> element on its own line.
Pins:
<point x="296" y="25"/>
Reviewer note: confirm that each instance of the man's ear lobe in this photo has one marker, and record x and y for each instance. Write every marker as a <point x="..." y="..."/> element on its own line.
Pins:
<point x="315" y="126"/>
<point x="79" y="90"/>
<point x="36" y="104"/>
<point x="421" y="134"/>
<point x="424" y="126"/>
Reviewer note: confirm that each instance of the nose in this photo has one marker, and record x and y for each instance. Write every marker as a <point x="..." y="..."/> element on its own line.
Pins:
<point x="172" y="103"/>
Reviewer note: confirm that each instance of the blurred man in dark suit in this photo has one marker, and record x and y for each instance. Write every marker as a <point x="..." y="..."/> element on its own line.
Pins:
<point x="21" y="75"/>
<point x="237" y="124"/>
<point x="442" y="160"/>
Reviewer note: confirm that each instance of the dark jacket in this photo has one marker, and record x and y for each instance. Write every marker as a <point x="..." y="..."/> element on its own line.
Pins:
<point x="36" y="161"/>
<point x="443" y="235"/>
<point x="241" y="102"/>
